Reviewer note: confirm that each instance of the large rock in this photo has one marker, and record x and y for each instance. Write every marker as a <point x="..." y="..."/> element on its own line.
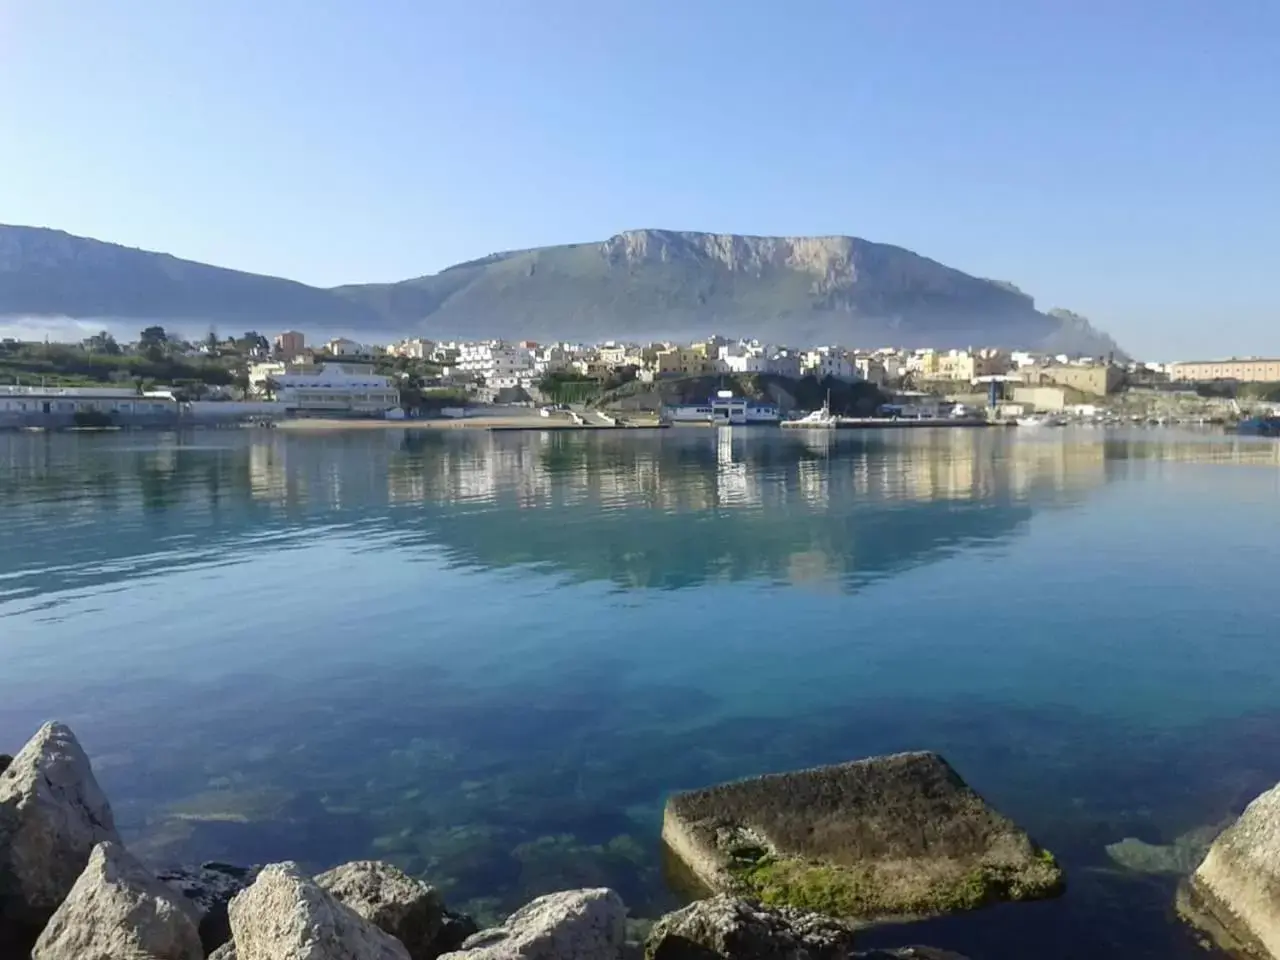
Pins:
<point x="1234" y="894"/>
<point x="225" y="952"/>
<point x="209" y="889"/>
<point x="573" y="925"/>
<point x="408" y="909"/>
<point x="52" y="814"/>
<point x="732" y="929"/>
<point x="285" y="915"/>
<point x="889" y="838"/>
<point x="118" y="911"/>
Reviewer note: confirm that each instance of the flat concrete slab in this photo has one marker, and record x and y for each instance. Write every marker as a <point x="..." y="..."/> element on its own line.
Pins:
<point x="899" y="837"/>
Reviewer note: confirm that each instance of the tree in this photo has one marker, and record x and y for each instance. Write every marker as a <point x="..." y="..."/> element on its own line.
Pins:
<point x="103" y="342"/>
<point x="154" y="342"/>
<point x="211" y="343"/>
<point x="253" y="342"/>
<point x="269" y="388"/>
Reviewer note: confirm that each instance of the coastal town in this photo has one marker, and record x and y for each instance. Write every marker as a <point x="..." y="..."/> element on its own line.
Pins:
<point x="160" y="378"/>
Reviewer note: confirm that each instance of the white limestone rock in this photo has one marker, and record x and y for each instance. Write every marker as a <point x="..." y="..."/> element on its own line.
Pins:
<point x="1235" y="892"/>
<point x="118" y="911"/>
<point x="396" y="903"/>
<point x="52" y="815"/>
<point x="572" y="925"/>
<point x="285" y="915"/>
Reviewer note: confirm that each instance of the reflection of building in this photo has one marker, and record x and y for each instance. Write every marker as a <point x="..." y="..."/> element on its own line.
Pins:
<point x="1249" y="369"/>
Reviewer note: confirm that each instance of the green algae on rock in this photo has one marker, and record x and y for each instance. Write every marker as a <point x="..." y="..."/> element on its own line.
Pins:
<point x="887" y="838"/>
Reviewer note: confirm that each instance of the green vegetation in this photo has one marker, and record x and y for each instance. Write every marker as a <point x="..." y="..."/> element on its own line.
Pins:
<point x="860" y="892"/>
<point x="565" y="386"/>
<point x="101" y="360"/>
<point x="1266" y="392"/>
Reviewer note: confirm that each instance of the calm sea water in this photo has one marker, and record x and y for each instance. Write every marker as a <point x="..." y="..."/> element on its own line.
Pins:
<point x="490" y="657"/>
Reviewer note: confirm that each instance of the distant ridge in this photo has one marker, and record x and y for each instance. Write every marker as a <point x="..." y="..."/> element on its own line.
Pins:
<point x="639" y="285"/>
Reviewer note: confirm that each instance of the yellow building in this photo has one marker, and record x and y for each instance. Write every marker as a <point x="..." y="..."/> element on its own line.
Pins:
<point x="1250" y="369"/>
<point x="613" y="356"/>
<point x="1099" y="380"/>
<point x="680" y="361"/>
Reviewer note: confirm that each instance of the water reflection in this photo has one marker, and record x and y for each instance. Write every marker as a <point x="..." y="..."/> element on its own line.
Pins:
<point x="89" y="510"/>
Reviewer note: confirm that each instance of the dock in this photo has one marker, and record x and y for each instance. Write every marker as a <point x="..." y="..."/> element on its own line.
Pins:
<point x="882" y="423"/>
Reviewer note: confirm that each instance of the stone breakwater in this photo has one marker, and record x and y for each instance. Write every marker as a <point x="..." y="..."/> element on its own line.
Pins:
<point x="784" y="852"/>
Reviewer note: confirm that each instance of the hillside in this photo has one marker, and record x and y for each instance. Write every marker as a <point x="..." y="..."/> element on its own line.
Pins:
<point x="639" y="285"/>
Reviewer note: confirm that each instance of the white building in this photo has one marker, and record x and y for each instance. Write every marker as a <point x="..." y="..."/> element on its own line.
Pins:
<point x="829" y="362"/>
<point x="496" y="362"/>
<point x="872" y="369"/>
<point x="54" y="406"/>
<point x="342" y="347"/>
<point x="551" y="360"/>
<point x="414" y="349"/>
<point x="337" y="388"/>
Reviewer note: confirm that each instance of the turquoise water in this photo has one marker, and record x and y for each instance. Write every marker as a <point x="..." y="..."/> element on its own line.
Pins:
<point x="489" y="657"/>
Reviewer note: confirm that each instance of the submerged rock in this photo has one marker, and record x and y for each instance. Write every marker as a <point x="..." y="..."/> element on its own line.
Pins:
<point x="52" y="815"/>
<point x="1178" y="858"/>
<point x="1234" y="895"/>
<point x="732" y="929"/>
<point x="285" y="915"/>
<point x="572" y="925"/>
<point x="408" y="909"/>
<point x="209" y="889"/>
<point x="117" y="909"/>
<point x="887" y="838"/>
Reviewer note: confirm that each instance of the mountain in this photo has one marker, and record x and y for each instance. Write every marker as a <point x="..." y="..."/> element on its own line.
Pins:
<point x="640" y="284"/>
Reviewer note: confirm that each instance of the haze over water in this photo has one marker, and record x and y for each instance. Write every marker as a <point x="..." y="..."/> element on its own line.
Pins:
<point x="489" y="657"/>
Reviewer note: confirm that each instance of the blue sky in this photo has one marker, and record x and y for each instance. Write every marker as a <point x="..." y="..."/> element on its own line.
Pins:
<point x="1117" y="157"/>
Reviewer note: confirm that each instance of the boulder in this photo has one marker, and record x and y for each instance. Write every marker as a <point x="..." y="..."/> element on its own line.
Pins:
<point x="52" y="815"/>
<point x="889" y="838"/>
<point x="573" y="925"/>
<point x="209" y="889"/>
<point x="1234" y="895"/>
<point x="285" y="915"/>
<point x="225" y="952"/>
<point x="732" y="929"/>
<point x="118" y="910"/>
<point x="408" y="909"/>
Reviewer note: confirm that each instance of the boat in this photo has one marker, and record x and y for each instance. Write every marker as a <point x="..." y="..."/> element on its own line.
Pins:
<point x="1046" y="420"/>
<point x="822" y="418"/>
<point x="1259" y="427"/>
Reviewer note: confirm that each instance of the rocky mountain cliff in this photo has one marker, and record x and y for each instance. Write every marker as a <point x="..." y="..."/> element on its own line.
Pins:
<point x="638" y="284"/>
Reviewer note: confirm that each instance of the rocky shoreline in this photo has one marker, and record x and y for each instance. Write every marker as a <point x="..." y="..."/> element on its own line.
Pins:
<point x="859" y="843"/>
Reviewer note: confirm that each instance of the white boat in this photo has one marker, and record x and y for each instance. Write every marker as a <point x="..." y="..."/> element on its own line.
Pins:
<point x="822" y="419"/>
<point x="1048" y="420"/>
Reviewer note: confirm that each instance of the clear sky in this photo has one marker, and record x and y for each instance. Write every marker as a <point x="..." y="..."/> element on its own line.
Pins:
<point x="1117" y="157"/>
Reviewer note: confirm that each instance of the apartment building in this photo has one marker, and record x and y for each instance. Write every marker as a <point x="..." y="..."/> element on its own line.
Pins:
<point x="290" y="343"/>
<point x="497" y="362"/>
